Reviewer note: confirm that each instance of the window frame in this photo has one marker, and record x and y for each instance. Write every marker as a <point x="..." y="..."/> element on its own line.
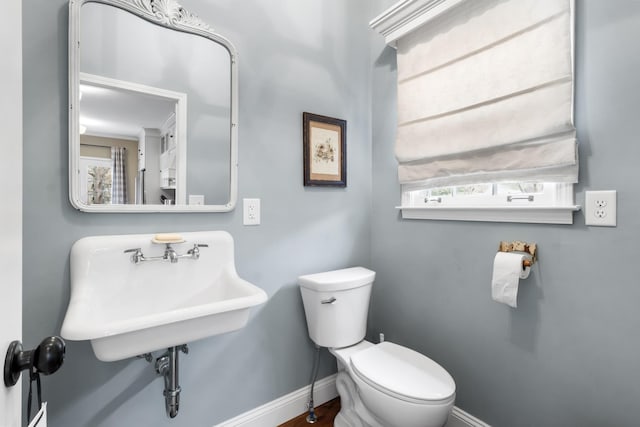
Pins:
<point x="556" y="206"/>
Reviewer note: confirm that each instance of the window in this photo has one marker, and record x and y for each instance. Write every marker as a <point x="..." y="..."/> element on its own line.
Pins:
<point x="504" y="202"/>
<point x="530" y="194"/>
<point x="96" y="180"/>
<point x="484" y="103"/>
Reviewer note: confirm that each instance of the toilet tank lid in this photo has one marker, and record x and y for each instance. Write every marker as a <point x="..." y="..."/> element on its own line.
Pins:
<point x="403" y="372"/>
<point x="338" y="280"/>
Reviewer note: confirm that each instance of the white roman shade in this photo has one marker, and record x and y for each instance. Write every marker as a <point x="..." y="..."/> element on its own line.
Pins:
<point x="485" y="94"/>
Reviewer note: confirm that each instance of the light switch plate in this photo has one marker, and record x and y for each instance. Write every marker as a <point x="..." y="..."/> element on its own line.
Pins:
<point x="196" y="199"/>
<point x="600" y="208"/>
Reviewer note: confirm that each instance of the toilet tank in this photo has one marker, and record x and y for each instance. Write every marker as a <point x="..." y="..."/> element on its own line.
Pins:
<point x="336" y="305"/>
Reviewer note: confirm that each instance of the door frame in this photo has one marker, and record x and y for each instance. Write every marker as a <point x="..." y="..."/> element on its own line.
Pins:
<point x="11" y="207"/>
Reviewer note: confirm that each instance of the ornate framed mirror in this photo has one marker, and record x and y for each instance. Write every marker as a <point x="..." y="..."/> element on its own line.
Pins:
<point x="153" y="109"/>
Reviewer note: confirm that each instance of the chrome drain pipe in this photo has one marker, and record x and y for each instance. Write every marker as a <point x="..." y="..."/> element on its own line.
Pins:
<point x="167" y="366"/>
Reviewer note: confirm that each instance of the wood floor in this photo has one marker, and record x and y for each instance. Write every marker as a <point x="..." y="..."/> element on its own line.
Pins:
<point x="325" y="414"/>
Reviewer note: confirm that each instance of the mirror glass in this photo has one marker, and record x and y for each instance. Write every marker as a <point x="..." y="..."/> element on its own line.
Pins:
<point x="155" y="123"/>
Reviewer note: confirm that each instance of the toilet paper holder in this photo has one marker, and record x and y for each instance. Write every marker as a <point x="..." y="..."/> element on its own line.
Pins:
<point x="517" y="246"/>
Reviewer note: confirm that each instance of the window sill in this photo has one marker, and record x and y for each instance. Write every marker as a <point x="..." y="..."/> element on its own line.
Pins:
<point x="524" y="214"/>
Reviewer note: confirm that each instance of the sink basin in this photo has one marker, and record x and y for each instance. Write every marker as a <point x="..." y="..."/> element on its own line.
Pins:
<point x="126" y="309"/>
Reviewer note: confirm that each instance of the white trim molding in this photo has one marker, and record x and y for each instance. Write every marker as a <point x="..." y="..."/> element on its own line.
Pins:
<point x="523" y="214"/>
<point x="11" y="222"/>
<point x="293" y="404"/>
<point x="459" y="418"/>
<point x="407" y="15"/>
<point x="286" y="407"/>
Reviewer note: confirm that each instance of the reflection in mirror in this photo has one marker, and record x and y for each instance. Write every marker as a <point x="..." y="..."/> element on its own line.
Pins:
<point x="154" y="128"/>
<point x="141" y="130"/>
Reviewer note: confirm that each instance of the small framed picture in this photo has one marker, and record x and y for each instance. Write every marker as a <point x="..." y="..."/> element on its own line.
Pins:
<point x="325" y="150"/>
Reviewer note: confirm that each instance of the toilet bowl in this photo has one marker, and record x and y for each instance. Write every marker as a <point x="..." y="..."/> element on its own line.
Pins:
<point x="398" y="386"/>
<point x="380" y="385"/>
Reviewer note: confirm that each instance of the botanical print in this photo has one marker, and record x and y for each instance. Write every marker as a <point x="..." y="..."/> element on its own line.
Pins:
<point x="99" y="183"/>
<point x="325" y="151"/>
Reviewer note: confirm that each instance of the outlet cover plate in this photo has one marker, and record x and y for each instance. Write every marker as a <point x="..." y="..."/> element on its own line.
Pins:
<point x="600" y="208"/>
<point x="251" y="211"/>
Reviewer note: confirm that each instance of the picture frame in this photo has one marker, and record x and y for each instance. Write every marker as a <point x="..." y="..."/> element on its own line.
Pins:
<point x="324" y="150"/>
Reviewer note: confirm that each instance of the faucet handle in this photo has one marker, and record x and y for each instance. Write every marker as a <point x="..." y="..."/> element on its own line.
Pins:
<point x="137" y="256"/>
<point x="195" y="251"/>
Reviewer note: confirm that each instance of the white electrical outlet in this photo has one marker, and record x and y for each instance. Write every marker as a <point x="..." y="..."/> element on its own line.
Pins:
<point x="251" y="211"/>
<point x="600" y="208"/>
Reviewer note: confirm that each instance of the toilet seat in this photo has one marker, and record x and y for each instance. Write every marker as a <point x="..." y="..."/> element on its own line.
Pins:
<point x="403" y="373"/>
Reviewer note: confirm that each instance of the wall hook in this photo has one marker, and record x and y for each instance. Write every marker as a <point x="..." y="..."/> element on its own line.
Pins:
<point x="45" y="358"/>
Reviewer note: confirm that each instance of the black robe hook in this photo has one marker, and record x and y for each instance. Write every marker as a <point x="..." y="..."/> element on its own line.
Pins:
<point x="45" y="358"/>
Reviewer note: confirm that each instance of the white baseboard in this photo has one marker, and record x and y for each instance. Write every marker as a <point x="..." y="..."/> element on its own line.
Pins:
<point x="459" y="418"/>
<point x="293" y="404"/>
<point x="287" y="407"/>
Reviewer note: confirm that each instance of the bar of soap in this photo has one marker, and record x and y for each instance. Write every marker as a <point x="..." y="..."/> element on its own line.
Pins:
<point x="167" y="238"/>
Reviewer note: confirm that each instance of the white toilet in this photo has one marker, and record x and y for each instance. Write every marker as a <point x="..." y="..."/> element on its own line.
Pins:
<point x="380" y="385"/>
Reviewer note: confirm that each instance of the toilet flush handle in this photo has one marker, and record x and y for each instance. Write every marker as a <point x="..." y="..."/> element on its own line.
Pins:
<point x="328" y="301"/>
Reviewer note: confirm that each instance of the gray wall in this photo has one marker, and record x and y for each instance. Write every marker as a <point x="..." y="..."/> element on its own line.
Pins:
<point x="568" y="355"/>
<point x="301" y="56"/>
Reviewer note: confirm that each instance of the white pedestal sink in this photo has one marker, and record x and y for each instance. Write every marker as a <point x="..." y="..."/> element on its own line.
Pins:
<point x="127" y="309"/>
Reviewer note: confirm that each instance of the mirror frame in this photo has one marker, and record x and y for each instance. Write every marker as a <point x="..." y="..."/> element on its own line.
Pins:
<point x="169" y="14"/>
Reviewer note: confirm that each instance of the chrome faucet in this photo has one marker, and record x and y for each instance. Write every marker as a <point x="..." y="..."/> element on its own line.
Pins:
<point x="170" y="254"/>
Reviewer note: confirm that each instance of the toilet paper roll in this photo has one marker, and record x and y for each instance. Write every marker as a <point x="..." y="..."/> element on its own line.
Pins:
<point x="507" y="272"/>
